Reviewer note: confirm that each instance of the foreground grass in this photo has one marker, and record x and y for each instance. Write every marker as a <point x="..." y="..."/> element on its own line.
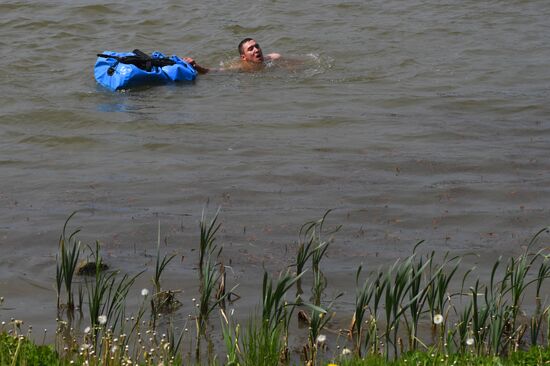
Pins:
<point x="473" y="321"/>
<point x="19" y="351"/>
<point x="534" y="356"/>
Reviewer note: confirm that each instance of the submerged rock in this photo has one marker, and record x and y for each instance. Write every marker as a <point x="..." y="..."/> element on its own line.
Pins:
<point x="165" y="302"/>
<point x="88" y="268"/>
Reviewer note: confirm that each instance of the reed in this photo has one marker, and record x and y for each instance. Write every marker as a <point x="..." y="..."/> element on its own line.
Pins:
<point x="107" y="297"/>
<point x="66" y="264"/>
<point x="160" y="264"/>
<point x="208" y="302"/>
<point x="231" y="334"/>
<point x="304" y="252"/>
<point x="261" y="345"/>
<point x="174" y="340"/>
<point x="273" y="299"/>
<point x="402" y="276"/>
<point x="417" y="297"/>
<point x="363" y="296"/>
<point x="208" y="232"/>
<point x="258" y="344"/>
<point x="537" y="317"/>
<point x="319" y="319"/>
<point x="390" y="306"/>
<point x="210" y="278"/>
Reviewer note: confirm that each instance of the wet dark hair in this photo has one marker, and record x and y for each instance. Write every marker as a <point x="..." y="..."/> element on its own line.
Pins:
<point x="241" y="51"/>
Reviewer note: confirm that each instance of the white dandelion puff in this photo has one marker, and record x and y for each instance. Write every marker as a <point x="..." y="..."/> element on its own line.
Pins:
<point x="102" y="319"/>
<point x="438" y="319"/>
<point x="144" y="292"/>
<point x="346" y="351"/>
<point x="470" y="341"/>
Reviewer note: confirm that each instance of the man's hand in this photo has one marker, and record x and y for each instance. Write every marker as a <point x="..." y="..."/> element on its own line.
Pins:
<point x="199" y="68"/>
<point x="190" y="61"/>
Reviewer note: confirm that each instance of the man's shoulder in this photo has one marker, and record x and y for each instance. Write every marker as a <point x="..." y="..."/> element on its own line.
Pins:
<point x="272" y="56"/>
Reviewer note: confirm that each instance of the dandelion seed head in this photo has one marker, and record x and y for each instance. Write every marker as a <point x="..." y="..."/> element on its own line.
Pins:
<point x="17" y="322"/>
<point x="321" y="338"/>
<point x="144" y="292"/>
<point x="470" y="341"/>
<point x="438" y="319"/>
<point x="102" y="319"/>
<point x="346" y="351"/>
<point x="87" y="330"/>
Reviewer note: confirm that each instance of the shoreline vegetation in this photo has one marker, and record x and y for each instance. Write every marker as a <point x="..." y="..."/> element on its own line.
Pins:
<point x="412" y="312"/>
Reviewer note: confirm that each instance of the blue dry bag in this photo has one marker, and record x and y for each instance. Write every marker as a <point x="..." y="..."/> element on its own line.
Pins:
<point x="123" y="70"/>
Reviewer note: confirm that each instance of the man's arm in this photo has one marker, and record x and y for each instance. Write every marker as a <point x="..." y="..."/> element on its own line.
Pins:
<point x="272" y="56"/>
<point x="200" y="69"/>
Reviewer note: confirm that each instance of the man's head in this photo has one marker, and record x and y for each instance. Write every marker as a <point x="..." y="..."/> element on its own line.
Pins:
<point x="250" y="51"/>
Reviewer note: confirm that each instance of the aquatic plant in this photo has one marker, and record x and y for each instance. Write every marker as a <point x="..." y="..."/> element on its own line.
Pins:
<point x="488" y="318"/>
<point x="262" y="345"/>
<point x="207" y="237"/>
<point x="274" y="304"/>
<point x="304" y="252"/>
<point x="107" y="296"/>
<point x="363" y="296"/>
<point x="162" y="301"/>
<point x="66" y="264"/>
<point x="319" y="318"/>
<point x="210" y="280"/>
<point x="312" y="246"/>
<point x="160" y="264"/>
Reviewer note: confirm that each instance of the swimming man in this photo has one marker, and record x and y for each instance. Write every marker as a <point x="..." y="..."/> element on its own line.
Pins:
<point x="251" y="58"/>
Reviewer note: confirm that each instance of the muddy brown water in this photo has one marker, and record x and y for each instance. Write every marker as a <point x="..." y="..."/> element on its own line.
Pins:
<point x="417" y="121"/>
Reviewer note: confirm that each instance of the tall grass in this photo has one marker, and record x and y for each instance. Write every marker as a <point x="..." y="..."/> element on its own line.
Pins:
<point x="208" y="232"/>
<point x="107" y="296"/>
<point x="66" y="264"/>
<point x="212" y="293"/>
<point x="467" y="316"/>
<point x="160" y="264"/>
<point x="264" y="340"/>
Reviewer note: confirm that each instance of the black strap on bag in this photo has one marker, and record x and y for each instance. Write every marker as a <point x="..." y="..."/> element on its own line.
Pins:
<point x="140" y="60"/>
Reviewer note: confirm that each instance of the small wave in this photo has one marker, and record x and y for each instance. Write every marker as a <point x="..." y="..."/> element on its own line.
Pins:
<point x="53" y="141"/>
<point x="97" y="9"/>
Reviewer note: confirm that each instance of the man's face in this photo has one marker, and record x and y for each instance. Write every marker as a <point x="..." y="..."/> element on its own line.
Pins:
<point x="252" y="52"/>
